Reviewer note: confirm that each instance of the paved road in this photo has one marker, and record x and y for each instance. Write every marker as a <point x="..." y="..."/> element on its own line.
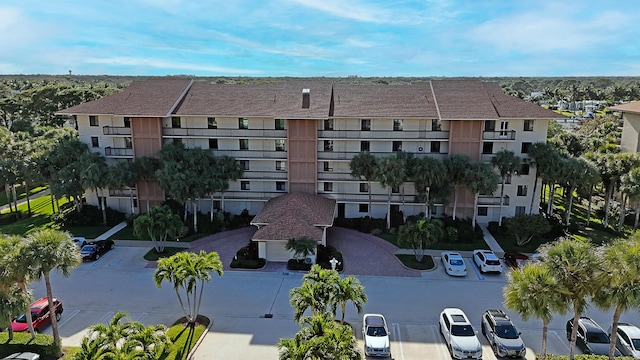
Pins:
<point x="238" y="301"/>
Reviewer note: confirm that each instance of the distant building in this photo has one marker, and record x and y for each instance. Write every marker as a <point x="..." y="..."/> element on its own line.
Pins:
<point x="630" y="126"/>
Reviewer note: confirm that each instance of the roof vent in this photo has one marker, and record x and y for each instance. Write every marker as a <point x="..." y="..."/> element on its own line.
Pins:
<point x="306" y="98"/>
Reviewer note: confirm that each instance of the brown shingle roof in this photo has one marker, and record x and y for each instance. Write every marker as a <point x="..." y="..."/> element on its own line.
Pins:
<point x="512" y="107"/>
<point x="463" y="99"/>
<point x="632" y="107"/>
<point x="294" y="215"/>
<point x="152" y="97"/>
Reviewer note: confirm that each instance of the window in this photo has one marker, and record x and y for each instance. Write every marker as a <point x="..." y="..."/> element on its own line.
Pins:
<point x="94" y="141"/>
<point x="528" y="125"/>
<point x="504" y="126"/>
<point x="245" y="185"/>
<point x="212" y="123"/>
<point x="395" y="208"/>
<point x="483" y="210"/>
<point x="435" y="146"/>
<point x="281" y="186"/>
<point x="520" y="210"/>
<point x="243" y="123"/>
<point x="522" y="190"/>
<point x="93" y="120"/>
<point x="244" y="164"/>
<point x="244" y="144"/>
<point x="436" y="125"/>
<point x="177" y="141"/>
<point x="487" y="148"/>
<point x="279" y="124"/>
<point x="364" y="187"/>
<point x="280" y="145"/>
<point x="526" y="146"/>
<point x="127" y="143"/>
<point x="489" y="125"/>
<point x="365" y="124"/>
<point x="327" y="166"/>
<point x="397" y="146"/>
<point x="328" y="186"/>
<point x="328" y="145"/>
<point x="175" y="122"/>
<point x="397" y="124"/>
<point x="365" y="146"/>
<point x="280" y="166"/>
<point x="328" y="124"/>
<point x="363" y="208"/>
<point x="507" y="180"/>
<point x="395" y="189"/>
<point x="213" y="143"/>
<point x="127" y="122"/>
<point x="524" y="169"/>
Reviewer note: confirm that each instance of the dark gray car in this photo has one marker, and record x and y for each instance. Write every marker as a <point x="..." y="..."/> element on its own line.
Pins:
<point x="591" y="338"/>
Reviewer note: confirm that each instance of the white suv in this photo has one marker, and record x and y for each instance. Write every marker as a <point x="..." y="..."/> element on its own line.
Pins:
<point x="487" y="261"/>
<point x="459" y="335"/>
<point x="376" y="335"/>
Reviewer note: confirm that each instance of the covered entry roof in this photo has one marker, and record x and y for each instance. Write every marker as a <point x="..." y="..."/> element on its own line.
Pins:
<point x="294" y="215"/>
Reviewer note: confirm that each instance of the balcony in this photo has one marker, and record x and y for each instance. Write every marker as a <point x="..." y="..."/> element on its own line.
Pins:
<point x="486" y="200"/>
<point x="499" y="135"/>
<point x="116" y="130"/>
<point x="122" y="192"/>
<point x="118" y="152"/>
<point x="225" y="133"/>
<point x="251" y="154"/>
<point x="264" y="175"/>
<point x="347" y="155"/>
<point x="382" y="134"/>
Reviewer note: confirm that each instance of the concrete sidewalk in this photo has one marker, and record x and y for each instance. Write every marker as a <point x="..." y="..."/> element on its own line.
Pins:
<point x="488" y="238"/>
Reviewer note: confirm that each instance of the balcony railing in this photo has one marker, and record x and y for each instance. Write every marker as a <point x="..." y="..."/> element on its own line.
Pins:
<point x="346" y="155"/>
<point x="484" y="200"/>
<point x="382" y="134"/>
<point x="122" y="192"/>
<point x="228" y="133"/>
<point x="251" y="154"/>
<point x="116" y="130"/>
<point x="118" y="152"/>
<point x="499" y="135"/>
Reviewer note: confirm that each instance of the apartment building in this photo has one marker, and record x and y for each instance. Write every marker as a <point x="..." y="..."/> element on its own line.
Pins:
<point x="299" y="135"/>
<point x="630" y="140"/>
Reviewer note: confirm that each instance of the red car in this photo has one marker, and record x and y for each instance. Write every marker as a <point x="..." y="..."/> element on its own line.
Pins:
<point x="515" y="260"/>
<point x="39" y="315"/>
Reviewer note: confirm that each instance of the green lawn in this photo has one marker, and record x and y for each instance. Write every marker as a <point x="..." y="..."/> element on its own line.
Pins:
<point x="20" y="191"/>
<point x="459" y="246"/>
<point x="152" y="255"/>
<point x="411" y="262"/>
<point x="127" y="234"/>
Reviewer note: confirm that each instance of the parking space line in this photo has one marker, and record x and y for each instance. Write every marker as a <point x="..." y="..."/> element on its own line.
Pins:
<point x="106" y="318"/>
<point x="69" y="317"/>
<point x="561" y="340"/>
<point x="396" y="330"/>
<point x="436" y="335"/>
<point x="140" y="317"/>
<point x="476" y="270"/>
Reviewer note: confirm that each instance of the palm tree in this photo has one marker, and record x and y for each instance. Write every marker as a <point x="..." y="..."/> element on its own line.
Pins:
<point x="457" y="167"/>
<point x="229" y="169"/>
<point x="541" y="155"/>
<point x="93" y="174"/>
<point x="533" y="292"/>
<point x="12" y="301"/>
<point x="428" y="173"/>
<point x="305" y="297"/>
<point x="620" y="283"/>
<point x="507" y="163"/>
<point x="363" y="166"/>
<point x="420" y="234"/>
<point x="481" y="179"/>
<point x="124" y="174"/>
<point x="574" y="265"/>
<point x="147" y="167"/>
<point x="160" y="224"/>
<point x="188" y="270"/>
<point x="575" y="171"/>
<point x="317" y="292"/>
<point x="350" y="289"/>
<point x="301" y="246"/>
<point x="391" y="173"/>
<point x="48" y="250"/>
<point x="630" y="185"/>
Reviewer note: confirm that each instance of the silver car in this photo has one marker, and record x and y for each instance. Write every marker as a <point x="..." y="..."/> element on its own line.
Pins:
<point x="628" y="340"/>
<point x="503" y="337"/>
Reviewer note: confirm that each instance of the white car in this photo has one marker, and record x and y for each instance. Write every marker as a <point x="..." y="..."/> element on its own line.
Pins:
<point x="487" y="261"/>
<point x="453" y="263"/>
<point x="628" y="340"/>
<point x="459" y="334"/>
<point x="376" y="335"/>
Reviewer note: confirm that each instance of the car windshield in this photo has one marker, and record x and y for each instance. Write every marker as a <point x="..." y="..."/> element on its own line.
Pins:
<point x="636" y="343"/>
<point x="23" y="317"/>
<point x="456" y="262"/>
<point x="376" y="331"/>
<point x="506" y="332"/>
<point x="462" y="330"/>
<point x="597" y="337"/>
<point x="88" y="248"/>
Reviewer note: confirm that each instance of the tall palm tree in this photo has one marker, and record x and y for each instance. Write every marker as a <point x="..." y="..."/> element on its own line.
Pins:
<point x="481" y="179"/>
<point x="350" y="289"/>
<point x="630" y="185"/>
<point x="124" y="174"/>
<point x="457" y="167"/>
<point x="428" y="173"/>
<point x="420" y="234"/>
<point x="306" y="297"/>
<point x="230" y="170"/>
<point x="12" y="301"/>
<point x="540" y="155"/>
<point x="94" y="175"/>
<point x="188" y="271"/>
<point x="620" y="283"/>
<point x="574" y="265"/>
<point x="391" y="173"/>
<point x="507" y="163"/>
<point x="533" y="292"/>
<point x="147" y="167"/>
<point x="363" y="166"/>
<point x="575" y="171"/>
<point x="159" y="224"/>
<point x="48" y="250"/>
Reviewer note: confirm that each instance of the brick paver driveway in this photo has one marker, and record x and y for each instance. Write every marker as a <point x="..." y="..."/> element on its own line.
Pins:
<point x="363" y="254"/>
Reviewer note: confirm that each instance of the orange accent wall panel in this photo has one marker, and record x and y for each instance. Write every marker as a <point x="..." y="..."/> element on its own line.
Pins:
<point x="302" y="155"/>
<point x="465" y="138"/>
<point x="146" y="139"/>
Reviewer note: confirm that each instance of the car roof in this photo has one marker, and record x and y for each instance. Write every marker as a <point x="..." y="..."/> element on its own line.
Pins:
<point x="40" y="303"/>
<point x="499" y="317"/>
<point x="374" y="320"/>
<point x="23" y="356"/>
<point x="456" y="315"/>
<point x="589" y="324"/>
<point x="452" y="254"/>
<point x="630" y="329"/>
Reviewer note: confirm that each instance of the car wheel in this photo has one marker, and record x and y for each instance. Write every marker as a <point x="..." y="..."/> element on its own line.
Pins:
<point x="450" y="351"/>
<point x="495" y="349"/>
<point x="483" y="331"/>
<point x="97" y="256"/>
<point x="58" y="316"/>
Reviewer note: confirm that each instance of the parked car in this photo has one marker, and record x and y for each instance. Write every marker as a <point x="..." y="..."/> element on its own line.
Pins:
<point x="376" y="335"/>
<point x="80" y="241"/>
<point x="487" y="261"/>
<point x="591" y="338"/>
<point x="39" y="315"/>
<point x="23" y="356"/>
<point x="93" y="250"/>
<point x="515" y="260"/>
<point x="503" y="337"/>
<point x="459" y="334"/>
<point x="453" y="263"/>
<point x="628" y="340"/>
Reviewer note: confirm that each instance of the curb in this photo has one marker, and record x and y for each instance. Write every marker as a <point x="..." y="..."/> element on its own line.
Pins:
<point x="200" y="340"/>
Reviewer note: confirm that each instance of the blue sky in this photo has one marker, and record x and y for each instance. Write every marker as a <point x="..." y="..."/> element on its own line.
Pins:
<point x="321" y="37"/>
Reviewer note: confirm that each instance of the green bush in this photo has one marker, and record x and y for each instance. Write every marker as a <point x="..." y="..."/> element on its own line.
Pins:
<point x="90" y="215"/>
<point x="42" y="344"/>
<point x="364" y="224"/>
<point x="452" y="235"/>
<point x="466" y="233"/>
<point x="241" y="262"/>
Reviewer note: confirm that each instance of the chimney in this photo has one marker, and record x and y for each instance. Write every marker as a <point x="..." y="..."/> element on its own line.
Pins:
<point x="306" y="98"/>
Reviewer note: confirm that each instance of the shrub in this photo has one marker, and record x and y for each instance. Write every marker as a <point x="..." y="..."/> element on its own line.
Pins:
<point x="325" y="254"/>
<point x="245" y="263"/>
<point x="452" y="235"/>
<point x="466" y="233"/>
<point x="10" y="218"/>
<point x="364" y="224"/>
<point x="90" y="215"/>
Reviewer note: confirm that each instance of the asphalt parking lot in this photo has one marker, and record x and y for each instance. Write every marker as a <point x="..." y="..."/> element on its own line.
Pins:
<point x="238" y="301"/>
